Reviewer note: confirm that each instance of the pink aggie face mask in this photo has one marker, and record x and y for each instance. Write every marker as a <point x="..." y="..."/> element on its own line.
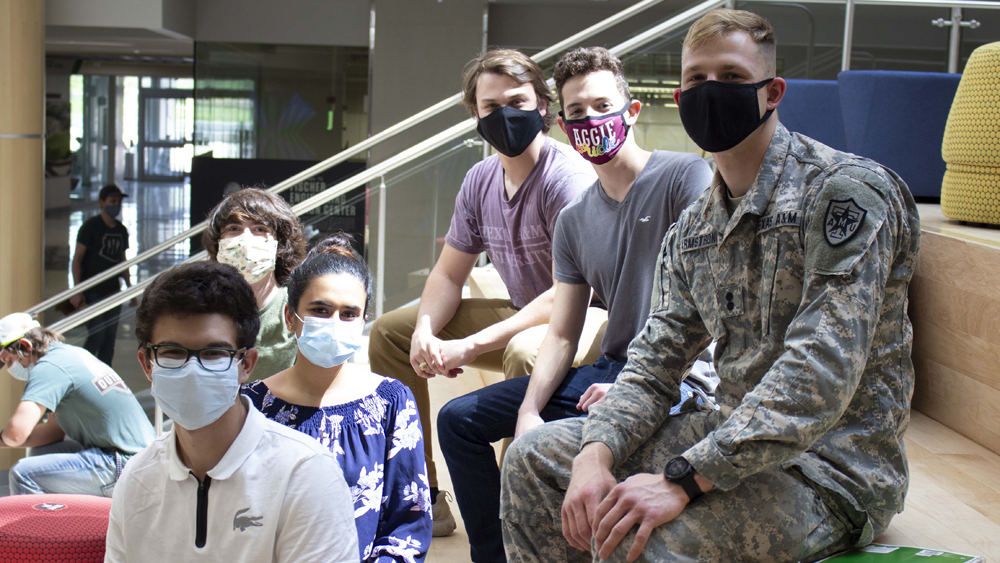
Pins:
<point x="598" y="137"/>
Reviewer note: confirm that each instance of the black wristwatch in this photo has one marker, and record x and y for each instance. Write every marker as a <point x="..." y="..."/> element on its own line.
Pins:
<point x="679" y="471"/>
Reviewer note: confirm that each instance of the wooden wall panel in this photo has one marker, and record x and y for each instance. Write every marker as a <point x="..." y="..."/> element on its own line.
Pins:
<point x="955" y="310"/>
<point x="958" y="402"/>
<point x="959" y="351"/>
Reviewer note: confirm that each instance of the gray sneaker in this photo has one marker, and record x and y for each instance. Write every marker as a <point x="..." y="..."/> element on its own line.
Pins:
<point x="444" y="522"/>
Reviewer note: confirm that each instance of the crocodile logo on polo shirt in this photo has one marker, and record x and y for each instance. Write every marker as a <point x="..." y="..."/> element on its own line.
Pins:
<point x="244" y="522"/>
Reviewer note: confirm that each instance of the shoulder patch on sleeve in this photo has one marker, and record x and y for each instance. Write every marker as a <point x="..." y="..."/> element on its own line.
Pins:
<point x="845" y="219"/>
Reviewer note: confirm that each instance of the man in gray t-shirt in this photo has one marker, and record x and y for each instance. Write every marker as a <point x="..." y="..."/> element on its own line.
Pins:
<point x="607" y="239"/>
<point x="618" y="259"/>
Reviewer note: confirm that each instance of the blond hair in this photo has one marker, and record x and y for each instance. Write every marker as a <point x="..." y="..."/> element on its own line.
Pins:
<point x="723" y="21"/>
<point x="512" y="63"/>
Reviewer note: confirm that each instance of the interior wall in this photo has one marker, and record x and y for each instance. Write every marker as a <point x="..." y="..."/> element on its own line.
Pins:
<point x="105" y="13"/>
<point x="421" y="47"/>
<point x="174" y="17"/>
<point x="288" y="22"/>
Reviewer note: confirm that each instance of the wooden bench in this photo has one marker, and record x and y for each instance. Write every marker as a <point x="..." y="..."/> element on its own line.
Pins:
<point x="954" y="438"/>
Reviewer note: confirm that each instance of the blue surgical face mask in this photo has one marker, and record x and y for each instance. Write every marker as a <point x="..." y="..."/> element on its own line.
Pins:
<point x="113" y="210"/>
<point x="329" y="342"/>
<point x="194" y="397"/>
<point x="19" y="372"/>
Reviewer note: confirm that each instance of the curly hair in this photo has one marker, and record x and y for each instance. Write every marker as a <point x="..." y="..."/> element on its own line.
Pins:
<point x="200" y="288"/>
<point x="512" y="63"/>
<point x="589" y="59"/>
<point x="333" y="255"/>
<point x="257" y="204"/>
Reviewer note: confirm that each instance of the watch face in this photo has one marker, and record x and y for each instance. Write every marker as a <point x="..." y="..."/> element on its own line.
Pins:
<point x="677" y="466"/>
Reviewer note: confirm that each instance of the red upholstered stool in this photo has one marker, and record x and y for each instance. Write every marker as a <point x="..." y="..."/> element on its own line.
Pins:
<point x="57" y="528"/>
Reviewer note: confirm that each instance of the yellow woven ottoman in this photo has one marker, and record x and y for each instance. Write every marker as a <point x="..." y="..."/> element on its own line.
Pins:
<point x="971" y="148"/>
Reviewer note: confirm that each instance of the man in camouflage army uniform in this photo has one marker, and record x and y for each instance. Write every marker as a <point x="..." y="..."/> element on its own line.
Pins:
<point x="796" y="261"/>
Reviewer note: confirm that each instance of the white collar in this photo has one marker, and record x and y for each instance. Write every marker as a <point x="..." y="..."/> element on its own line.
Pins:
<point x="244" y="445"/>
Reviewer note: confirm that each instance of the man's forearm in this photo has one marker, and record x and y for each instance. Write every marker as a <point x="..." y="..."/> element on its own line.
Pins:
<point x="555" y="356"/>
<point x="43" y="435"/>
<point x="438" y="302"/>
<point x="497" y="336"/>
<point x="48" y="432"/>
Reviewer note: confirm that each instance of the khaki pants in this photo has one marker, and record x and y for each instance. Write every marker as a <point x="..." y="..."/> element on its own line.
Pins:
<point x="389" y="350"/>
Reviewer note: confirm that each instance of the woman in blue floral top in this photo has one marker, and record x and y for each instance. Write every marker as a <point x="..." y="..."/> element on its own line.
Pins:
<point x="369" y="422"/>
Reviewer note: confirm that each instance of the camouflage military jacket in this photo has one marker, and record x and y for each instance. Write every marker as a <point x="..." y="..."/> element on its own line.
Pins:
<point x="804" y="288"/>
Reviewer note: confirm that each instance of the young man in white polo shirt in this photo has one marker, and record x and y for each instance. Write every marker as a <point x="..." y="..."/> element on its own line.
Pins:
<point x="225" y="484"/>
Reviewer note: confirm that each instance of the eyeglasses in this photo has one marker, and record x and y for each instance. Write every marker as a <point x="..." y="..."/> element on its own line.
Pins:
<point x="170" y="356"/>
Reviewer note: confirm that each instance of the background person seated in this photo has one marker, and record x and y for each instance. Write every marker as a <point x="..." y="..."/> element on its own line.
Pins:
<point x="225" y="484"/>
<point x="367" y="421"/>
<point x="256" y="232"/>
<point x="90" y="404"/>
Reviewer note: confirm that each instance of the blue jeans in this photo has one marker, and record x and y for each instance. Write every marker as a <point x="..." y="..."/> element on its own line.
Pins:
<point x="68" y="469"/>
<point x="468" y="425"/>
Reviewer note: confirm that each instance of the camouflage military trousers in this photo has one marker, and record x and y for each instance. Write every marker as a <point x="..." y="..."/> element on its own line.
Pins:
<point x="771" y="516"/>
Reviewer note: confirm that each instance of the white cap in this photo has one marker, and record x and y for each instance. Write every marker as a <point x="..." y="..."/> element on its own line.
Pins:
<point x="14" y="326"/>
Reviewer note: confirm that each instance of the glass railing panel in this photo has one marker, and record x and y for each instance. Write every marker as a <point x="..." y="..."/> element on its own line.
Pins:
<point x="986" y="29"/>
<point x="120" y="322"/>
<point x="654" y="73"/>
<point x="419" y="204"/>
<point x="810" y="37"/>
<point x="892" y="38"/>
<point x="154" y="212"/>
<point x="426" y="188"/>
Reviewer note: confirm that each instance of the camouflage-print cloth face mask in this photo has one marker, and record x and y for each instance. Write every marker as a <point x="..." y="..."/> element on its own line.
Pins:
<point x="253" y="256"/>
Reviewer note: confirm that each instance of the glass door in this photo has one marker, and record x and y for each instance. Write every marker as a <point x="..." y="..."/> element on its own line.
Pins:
<point x="166" y="128"/>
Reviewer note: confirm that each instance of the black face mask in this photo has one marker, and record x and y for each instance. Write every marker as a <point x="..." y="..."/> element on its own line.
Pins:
<point x="719" y="115"/>
<point x="510" y="130"/>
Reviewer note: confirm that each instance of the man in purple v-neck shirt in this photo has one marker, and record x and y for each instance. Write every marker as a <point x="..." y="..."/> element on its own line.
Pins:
<point x="507" y="207"/>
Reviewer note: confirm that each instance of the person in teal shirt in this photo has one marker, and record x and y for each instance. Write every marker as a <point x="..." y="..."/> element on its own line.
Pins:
<point x="89" y="403"/>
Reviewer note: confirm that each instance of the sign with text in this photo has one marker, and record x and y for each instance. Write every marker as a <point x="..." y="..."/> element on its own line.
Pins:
<point x="214" y="178"/>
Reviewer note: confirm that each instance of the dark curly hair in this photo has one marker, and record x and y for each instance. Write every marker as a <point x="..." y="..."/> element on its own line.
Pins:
<point x="257" y="204"/>
<point x="512" y="63"/>
<point x="589" y="59"/>
<point x="200" y="288"/>
<point x="333" y="255"/>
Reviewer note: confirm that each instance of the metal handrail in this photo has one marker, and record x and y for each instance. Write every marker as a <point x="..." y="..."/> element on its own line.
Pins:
<point x="634" y="43"/>
<point x="388" y="165"/>
<point x="344" y="155"/>
<point x="373" y="173"/>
